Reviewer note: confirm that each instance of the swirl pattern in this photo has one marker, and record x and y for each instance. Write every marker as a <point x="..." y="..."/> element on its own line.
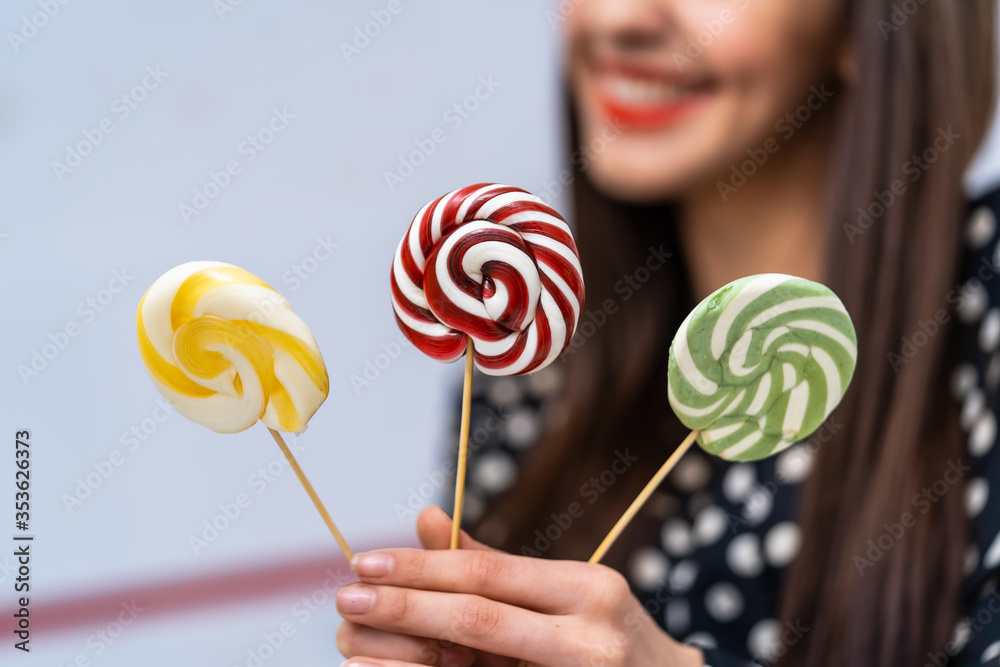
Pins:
<point x="225" y="349"/>
<point x="493" y="263"/>
<point x="760" y="364"/>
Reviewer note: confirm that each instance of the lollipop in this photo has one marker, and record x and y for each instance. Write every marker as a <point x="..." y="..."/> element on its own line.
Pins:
<point x="226" y="350"/>
<point x="492" y="272"/>
<point x="755" y="367"/>
<point x="760" y="364"/>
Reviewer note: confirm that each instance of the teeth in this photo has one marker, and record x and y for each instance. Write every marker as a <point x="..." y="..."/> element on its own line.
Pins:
<point x="643" y="91"/>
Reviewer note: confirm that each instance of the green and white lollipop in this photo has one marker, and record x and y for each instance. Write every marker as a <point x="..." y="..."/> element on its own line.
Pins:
<point x="760" y="364"/>
<point x="755" y="367"/>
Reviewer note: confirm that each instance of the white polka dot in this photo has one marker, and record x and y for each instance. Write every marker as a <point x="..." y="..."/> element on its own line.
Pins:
<point x="963" y="379"/>
<point x="724" y="602"/>
<point x="739" y="481"/>
<point x="992" y="652"/>
<point x="691" y="474"/>
<point x="992" y="557"/>
<point x="781" y="544"/>
<point x="961" y="635"/>
<point x="794" y="465"/>
<point x="763" y="636"/>
<point x="972" y="301"/>
<point x="522" y="429"/>
<point x="683" y="576"/>
<point x="971" y="407"/>
<point x="971" y="559"/>
<point x="709" y="525"/>
<point x="977" y="492"/>
<point x="676" y="538"/>
<point x="504" y="391"/>
<point x="758" y="507"/>
<point x="546" y="381"/>
<point x="648" y="569"/>
<point x="980" y="227"/>
<point x="678" y="617"/>
<point x="702" y="639"/>
<point x="743" y="555"/>
<point x="494" y="472"/>
<point x="983" y="434"/>
<point x="989" y="331"/>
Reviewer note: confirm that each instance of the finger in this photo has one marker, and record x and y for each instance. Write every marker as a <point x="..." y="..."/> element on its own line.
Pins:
<point x="354" y="639"/>
<point x="551" y="587"/>
<point x="467" y="620"/>
<point x="434" y="531"/>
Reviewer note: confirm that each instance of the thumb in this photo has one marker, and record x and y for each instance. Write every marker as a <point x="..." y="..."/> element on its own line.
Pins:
<point x="434" y="531"/>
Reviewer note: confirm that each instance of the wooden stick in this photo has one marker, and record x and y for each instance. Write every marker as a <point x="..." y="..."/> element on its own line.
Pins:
<point x="643" y="497"/>
<point x="312" y="494"/>
<point x="463" y="448"/>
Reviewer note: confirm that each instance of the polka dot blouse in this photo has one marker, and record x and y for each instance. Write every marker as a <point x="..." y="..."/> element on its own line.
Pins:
<point x="724" y="577"/>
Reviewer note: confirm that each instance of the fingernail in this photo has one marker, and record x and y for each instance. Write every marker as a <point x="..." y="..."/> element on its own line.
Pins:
<point x="355" y="599"/>
<point x="372" y="564"/>
<point x="357" y="663"/>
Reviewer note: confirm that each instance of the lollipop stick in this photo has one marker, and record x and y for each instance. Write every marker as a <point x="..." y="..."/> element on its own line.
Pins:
<point x="312" y="494"/>
<point x="643" y="497"/>
<point x="463" y="448"/>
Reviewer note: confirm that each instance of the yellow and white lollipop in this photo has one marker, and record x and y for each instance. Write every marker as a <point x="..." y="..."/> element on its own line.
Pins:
<point x="226" y="350"/>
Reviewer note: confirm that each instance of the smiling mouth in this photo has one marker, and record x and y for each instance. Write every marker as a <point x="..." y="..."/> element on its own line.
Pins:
<point x="643" y="101"/>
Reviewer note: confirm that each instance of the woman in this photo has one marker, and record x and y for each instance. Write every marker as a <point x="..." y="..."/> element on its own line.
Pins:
<point x="818" y="138"/>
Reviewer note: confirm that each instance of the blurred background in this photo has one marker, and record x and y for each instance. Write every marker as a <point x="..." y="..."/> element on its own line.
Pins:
<point x="296" y="140"/>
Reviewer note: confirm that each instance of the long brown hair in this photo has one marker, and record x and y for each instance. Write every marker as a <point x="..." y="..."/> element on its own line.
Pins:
<point x="932" y="73"/>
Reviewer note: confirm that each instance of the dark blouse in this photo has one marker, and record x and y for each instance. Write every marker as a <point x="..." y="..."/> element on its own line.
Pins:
<point x="712" y="574"/>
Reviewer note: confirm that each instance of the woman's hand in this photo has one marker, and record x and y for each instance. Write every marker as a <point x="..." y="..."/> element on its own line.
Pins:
<point x="411" y="604"/>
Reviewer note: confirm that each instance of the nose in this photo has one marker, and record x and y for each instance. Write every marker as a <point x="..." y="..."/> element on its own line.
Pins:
<point x="626" y="25"/>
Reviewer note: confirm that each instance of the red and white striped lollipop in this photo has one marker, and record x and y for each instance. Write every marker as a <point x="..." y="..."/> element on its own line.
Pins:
<point x="495" y="264"/>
